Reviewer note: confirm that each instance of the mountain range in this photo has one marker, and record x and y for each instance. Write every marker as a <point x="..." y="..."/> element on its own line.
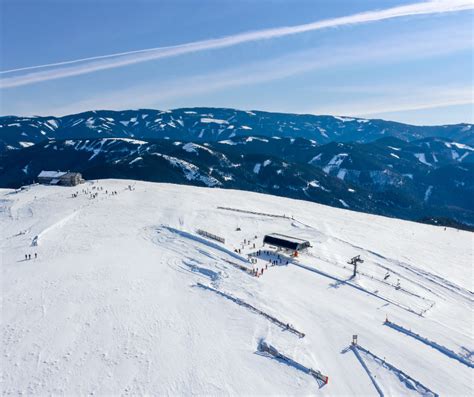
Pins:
<point x="375" y="166"/>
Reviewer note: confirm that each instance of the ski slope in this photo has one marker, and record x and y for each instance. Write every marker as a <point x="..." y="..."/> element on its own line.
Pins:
<point x="125" y="298"/>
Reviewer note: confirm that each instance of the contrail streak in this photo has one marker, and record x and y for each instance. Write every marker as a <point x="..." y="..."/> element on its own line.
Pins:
<point x="92" y="64"/>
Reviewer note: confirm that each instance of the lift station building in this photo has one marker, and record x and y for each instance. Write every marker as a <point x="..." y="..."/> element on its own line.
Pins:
<point x="286" y="242"/>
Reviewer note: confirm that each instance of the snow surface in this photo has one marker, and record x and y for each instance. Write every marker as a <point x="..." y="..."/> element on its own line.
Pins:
<point x="51" y="174"/>
<point x="459" y="145"/>
<point x="228" y="142"/>
<point x="344" y="119"/>
<point x="139" y="158"/>
<point x="191" y="171"/>
<point x="428" y="192"/>
<point x="26" y="144"/>
<point x="335" y="162"/>
<point x="341" y="174"/>
<point x="210" y="120"/>
<point x="53" y="123"/>
<point x="315" y="158"/>
<point x="343" y="203"/>
<point x="422" y="158"/>
<point x="194" y="148"/>
<point x="112" y="305"/>
<point x="255" y="138"/>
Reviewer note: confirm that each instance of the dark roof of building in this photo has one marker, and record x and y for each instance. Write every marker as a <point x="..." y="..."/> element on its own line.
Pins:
<point x="283" y="241"/>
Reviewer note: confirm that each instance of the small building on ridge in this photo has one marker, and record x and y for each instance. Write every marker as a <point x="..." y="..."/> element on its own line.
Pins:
<point x="60" y="178"/>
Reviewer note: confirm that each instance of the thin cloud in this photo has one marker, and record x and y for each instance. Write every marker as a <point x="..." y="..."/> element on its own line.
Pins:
<point x="88" y="65"/>
<point x="396" y="99"/>
<point x="381" y="50"/>
<point x="442" y="99"/>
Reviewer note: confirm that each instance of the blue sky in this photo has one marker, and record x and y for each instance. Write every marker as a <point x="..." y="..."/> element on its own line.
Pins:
<point x="401" y="60"/>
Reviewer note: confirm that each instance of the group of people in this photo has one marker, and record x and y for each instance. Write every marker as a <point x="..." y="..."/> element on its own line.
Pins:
<point x="248" y="242"/>
<point x="273" y="261"/>
<point x="278" y="261"/>
<point x="95" y="194"/>
<point x="28" y="256"/>
<point x="259" y="272"/>
<point x="397" y="285"/>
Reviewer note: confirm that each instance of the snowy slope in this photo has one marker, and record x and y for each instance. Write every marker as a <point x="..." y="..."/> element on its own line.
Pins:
<point x="112" y="304"/>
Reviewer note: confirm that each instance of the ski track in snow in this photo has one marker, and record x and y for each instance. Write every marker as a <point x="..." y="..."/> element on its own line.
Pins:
<point x="434" y="345"/>
<point x="340" y="281"/>
<point x="240" y="302"/>
<point x="269" y="351"/>
<point x="407" y="382"/>
<point x="430" y="282"/>
<point x="424" y="275"/>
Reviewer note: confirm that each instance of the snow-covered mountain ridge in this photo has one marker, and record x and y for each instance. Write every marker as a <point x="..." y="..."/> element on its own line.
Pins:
<point x="213" y="124"/>
<point x="433" y="177"/>
<point x="377" y="166"/>
<point x="113" y="303"/>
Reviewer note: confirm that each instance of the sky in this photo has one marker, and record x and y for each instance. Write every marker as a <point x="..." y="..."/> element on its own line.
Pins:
<point x="409" y="61"/>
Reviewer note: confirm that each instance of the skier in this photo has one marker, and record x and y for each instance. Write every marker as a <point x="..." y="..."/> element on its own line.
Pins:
<point x="29" y="256"/>
<point x="26" y="257"/>
<point x="36" y="255"/>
